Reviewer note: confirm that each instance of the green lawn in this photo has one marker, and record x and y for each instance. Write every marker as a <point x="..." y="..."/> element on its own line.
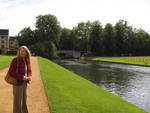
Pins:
<point x="5" y="60"/>
<point x="141" y="60"/>
<point x="70" y="93"/>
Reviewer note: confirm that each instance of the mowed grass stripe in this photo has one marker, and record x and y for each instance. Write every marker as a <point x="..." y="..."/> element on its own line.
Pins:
<point x="139" y="60"/>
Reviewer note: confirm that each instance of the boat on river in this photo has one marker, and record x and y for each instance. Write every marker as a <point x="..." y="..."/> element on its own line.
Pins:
<point x="80" y="61"/>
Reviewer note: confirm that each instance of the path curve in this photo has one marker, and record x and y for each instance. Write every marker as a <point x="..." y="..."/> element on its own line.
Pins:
<point x="37" y="100"/>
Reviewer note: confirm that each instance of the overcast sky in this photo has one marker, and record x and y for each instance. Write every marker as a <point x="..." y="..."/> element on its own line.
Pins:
<point x="18" y="14"/>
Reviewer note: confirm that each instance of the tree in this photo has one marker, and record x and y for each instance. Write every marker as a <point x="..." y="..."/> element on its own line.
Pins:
<point x="26" y="37"/>
<point x="120" y="28"/>
<point x="50" y="49"/>
<point x="38" y="49"/>
<point x="74" y="39"/>
<point x="48" y="28"/>
<point x="109" y="40"/>
<point x="45" y="49"/>
<point x="44" y="38"/>
<point x="129" y="42"/>
<point x="81" y="35"/>
<point x="84" y="30"/>
<point x="142" y="43"/>
<point x="96" y="39"/>
<point x="65" y="39"/>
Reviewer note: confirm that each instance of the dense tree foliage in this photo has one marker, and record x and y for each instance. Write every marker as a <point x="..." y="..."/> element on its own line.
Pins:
<point x="96" y="39"/>
<point x="48" y="28"/>
<point x="26" y="37"/>
<point x="120" y="37"/>
<point x="80" y="36"/>
<point x="43" y="40"/>
<point x="89" y="38"/>
<point x="118" y="40"/>
<point x="109" y="40"/>
<point x="65" y="40"/>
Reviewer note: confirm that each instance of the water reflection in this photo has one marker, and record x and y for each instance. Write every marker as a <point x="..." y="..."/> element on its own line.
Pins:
<point x="127" y="81"/>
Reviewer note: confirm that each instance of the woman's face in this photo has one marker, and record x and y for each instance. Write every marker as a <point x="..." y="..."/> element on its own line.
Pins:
<point x="22" y="52"/>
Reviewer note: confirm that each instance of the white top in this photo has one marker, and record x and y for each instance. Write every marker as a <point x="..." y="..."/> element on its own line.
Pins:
<point x="25" y="70"/>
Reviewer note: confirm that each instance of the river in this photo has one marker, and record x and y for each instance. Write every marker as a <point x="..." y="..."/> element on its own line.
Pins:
<point x="129" y="82"/>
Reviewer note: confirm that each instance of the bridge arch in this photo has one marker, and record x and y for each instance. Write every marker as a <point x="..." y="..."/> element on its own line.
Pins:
<point x="73" y="53"/>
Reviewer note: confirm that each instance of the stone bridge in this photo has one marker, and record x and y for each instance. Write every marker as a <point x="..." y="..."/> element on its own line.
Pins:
<point x="73" y="53"/>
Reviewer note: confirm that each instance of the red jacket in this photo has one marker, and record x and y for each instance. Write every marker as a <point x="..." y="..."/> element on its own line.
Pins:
<point x="21" y="69"/>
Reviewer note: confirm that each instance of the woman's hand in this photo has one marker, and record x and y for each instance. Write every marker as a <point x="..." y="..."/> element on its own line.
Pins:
<point x="26" y="78"/>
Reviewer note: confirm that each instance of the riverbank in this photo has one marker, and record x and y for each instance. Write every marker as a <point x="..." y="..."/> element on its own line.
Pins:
<point x="138" y="61"/>
<point x="68" y="92"/>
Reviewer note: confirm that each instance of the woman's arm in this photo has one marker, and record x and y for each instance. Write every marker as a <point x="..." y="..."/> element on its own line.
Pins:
<point x="12" y="70"/>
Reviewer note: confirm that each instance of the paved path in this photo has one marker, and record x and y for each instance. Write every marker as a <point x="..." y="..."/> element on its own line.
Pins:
<point x="37" y="99"/>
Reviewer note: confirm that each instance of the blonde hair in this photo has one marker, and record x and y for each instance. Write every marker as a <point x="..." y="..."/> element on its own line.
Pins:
<point x="27" y="57"/>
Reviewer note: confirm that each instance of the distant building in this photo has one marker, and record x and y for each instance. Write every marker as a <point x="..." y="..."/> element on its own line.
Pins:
<point x="4" y="41"/>
<point x="7" y="43"/>
<point x="13" y="44"/>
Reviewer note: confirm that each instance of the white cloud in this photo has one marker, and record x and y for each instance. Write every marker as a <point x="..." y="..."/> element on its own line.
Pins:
<point x="15" y="16"/>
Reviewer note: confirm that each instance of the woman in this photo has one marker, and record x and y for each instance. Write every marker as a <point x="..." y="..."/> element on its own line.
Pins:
<point x="23" y="76"/>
